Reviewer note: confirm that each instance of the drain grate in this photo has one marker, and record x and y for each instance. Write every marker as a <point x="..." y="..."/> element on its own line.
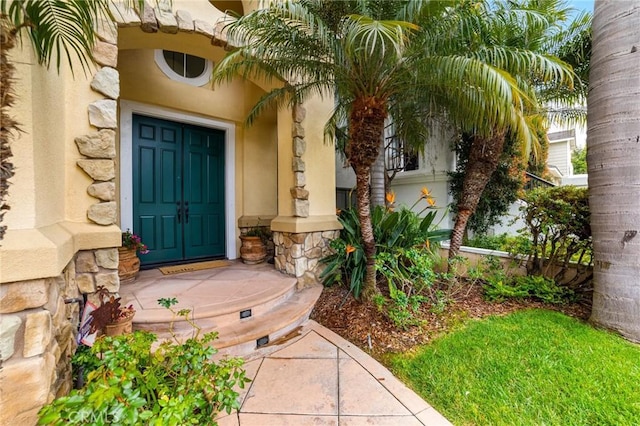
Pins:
<point x="262" y="341"/>
<point x="245" y="314"/>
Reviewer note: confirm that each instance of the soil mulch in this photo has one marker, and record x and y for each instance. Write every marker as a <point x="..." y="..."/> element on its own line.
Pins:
<point x="365" y="326"/>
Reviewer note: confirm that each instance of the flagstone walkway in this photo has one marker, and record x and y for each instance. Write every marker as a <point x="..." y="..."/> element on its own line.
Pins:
<point x="322" y="379"/>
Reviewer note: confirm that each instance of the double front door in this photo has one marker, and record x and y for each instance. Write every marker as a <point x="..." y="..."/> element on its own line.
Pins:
<point x="178" y="190"/>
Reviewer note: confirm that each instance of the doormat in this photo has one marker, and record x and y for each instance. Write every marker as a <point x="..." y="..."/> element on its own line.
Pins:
<point x="190" y="267"/>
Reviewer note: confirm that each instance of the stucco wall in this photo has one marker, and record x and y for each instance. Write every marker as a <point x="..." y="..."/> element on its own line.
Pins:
<point x="48" y="186"/>
<point x="48" y="196"/>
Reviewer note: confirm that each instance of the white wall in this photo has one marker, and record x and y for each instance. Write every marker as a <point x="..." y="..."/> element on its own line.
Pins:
<point x="436" y="161"/>
<point x="560" y="156"/>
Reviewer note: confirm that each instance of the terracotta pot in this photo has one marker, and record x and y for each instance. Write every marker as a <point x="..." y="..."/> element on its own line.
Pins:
<point x="123" y="327"/>
<point x="128" y="266"/>
<point x="253" y="250"/>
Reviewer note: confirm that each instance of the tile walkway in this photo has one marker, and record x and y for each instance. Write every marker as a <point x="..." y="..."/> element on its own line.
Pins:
<point x="322" y="379"/>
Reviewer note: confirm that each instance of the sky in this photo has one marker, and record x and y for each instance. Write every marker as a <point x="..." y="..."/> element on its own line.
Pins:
<point x="582" y="4"/>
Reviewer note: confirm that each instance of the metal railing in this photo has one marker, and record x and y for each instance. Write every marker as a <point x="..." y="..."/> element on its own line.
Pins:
<point x="534" y="182"/>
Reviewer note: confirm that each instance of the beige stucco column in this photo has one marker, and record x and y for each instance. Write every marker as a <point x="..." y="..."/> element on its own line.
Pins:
<point x="306" y="221"/>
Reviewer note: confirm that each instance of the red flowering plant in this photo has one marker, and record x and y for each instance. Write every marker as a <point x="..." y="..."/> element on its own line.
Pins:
<point x="133" y="241"/>
<point x="110" y="310"/>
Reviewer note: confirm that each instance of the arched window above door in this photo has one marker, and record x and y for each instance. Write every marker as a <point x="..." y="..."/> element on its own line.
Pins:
<point x="183" y="67"/>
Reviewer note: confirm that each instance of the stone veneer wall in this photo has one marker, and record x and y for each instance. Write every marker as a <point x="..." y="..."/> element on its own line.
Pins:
<point x="38" y="330"/>
<point x="299" y="254"/>
<point x="299" y="194"/>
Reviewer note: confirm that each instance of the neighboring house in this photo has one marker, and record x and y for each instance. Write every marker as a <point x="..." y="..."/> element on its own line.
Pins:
<point x="143" y="142"/>
<point x="413" y="172"/>
<point x="431" y="168"/>
<point x="561" y="145"/>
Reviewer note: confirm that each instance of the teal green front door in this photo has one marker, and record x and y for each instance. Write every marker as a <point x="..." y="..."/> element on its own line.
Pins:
<point x="178" y="190"/>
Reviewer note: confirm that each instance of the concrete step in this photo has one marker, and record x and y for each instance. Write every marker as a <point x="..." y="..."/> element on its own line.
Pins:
<point x="247" y="306"/>
<point x="244" y="337"/>
<point x="219" y="315"/>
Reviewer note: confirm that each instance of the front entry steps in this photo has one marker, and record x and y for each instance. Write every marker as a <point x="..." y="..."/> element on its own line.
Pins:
<point x="250" y="307"/>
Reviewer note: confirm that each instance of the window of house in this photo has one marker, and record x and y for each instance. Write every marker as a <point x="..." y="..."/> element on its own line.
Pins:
<point x="183" y="67"/>
<point x="398" y="157"/>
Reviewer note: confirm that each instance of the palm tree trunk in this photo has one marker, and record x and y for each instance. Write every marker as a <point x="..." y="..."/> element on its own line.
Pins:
<point x="366" y="128"/>
<point x="483" y="160"/>
<point x="378" y="172"/>
<point x="7" y="124"/>
<point x="613" y="159"/>
<point x="366" y="228"/>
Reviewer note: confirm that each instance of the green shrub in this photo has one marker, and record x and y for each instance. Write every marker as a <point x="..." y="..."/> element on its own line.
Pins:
<point x="544" y="289"/>
<point x="489" y="242"/>
<point x="128" y="383"/>
<point x="409" y="276"/>
<point x="406" y="246"/>
<point x="513" y="244"/>
<point x="558" y="227"/>
<point x="499" y="287"/>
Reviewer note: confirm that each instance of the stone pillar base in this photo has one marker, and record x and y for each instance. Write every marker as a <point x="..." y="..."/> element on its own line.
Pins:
<point x="299" y="254"/>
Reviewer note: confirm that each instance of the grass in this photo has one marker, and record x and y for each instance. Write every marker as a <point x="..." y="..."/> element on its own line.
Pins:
<point x="531" y="367"/>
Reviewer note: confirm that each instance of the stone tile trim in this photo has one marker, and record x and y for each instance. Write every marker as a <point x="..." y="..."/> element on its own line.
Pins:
<point x="164" y="20"/>
<point x="38" y="332"/>
<point x="99" y="148"/>
<point x="299" y="195"/>
<point x="299" y="254"/>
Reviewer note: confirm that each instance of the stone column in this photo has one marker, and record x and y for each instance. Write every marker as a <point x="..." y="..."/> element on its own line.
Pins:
<point x="306" y="221"/>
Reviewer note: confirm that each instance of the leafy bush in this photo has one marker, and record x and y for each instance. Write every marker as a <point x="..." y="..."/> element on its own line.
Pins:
<point x="558" y="226"/>
<point x="579" y="161"/>
<point x="499" y="286"/>
<point x="489" y="242"/>
<point x="513" y="244"/>
<point x="176" y="384"/>
<point x="409" y="275"/>
<point x="393" y="230"/>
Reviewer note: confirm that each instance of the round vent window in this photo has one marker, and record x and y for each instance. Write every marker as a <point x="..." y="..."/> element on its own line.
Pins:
<point x="183" y="67"/>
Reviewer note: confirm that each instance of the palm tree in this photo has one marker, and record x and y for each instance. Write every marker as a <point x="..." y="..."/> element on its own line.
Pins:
<point x="378" y="69"/>
<point x="613" y="156"/>
<point x="315" y="48"/>
<point x="55" y="29"/>
<point x="533" y="28"/>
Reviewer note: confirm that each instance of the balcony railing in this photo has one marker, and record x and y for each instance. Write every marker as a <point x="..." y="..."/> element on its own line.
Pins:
<point x="534" y="182"/>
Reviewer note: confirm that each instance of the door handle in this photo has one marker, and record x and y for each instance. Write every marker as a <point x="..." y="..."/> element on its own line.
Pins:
<point x="186" y="212"/>
<point x="179" y="209"/>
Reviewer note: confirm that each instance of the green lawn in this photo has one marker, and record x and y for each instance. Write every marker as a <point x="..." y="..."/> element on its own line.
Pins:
<point x="531" y="367"/>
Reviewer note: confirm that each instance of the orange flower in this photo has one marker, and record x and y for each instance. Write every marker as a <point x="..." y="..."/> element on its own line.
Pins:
<point x="350" y="248"/>
<point x="391" y="197"/>
<point x="425" y="192"/>
<point x="431" y="201"/>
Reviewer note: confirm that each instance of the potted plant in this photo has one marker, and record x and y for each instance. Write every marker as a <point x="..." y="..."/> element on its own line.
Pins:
<point x="254" y="245"/>
<point x="129" y="263"/>
<point x="111" y="318"/>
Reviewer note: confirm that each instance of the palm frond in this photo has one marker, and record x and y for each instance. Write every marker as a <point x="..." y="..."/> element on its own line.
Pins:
<point x="58" y="28"/>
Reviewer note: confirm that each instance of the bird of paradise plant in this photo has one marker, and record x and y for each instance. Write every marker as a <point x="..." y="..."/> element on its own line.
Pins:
<point x="393" y="230"/>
